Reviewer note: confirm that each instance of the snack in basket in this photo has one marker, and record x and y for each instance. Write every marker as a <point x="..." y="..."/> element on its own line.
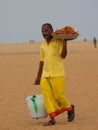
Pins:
<point x="66" y="32"/>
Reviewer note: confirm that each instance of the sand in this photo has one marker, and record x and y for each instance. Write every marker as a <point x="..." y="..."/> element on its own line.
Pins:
<point x="18" y="69"/>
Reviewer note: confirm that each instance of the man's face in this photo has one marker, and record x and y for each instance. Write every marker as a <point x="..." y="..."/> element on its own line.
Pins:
<point x="46" y="31"/>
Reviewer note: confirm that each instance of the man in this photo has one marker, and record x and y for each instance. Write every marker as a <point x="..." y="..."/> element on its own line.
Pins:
<point x="95" y="42"/>
<point x="51" y="75"/>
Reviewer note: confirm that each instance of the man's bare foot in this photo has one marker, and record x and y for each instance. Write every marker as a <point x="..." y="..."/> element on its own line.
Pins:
<point x="51" y="122"/>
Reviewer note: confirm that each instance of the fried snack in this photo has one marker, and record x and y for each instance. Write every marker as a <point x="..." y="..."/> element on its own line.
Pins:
<point x="66" y="30"/>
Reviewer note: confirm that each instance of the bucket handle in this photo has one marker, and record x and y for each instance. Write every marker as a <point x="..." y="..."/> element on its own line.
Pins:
<point x="27" y="89"/>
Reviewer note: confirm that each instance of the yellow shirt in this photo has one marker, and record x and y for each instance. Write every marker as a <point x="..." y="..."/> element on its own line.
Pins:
<point x="50" y="54"/>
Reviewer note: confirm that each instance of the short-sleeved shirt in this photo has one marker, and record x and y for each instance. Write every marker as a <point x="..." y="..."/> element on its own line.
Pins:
<point x="50" y="55"/>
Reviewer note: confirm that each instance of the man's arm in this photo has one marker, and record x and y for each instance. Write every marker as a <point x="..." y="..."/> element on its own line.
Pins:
<point x="37" y="81"/>
<point x="64" y="49"/>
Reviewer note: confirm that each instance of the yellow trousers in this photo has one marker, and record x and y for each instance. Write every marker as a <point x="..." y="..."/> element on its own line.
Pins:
<point x="53" y="89"/>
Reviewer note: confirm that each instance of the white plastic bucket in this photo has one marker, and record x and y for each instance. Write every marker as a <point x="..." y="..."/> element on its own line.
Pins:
<point x="36" y="107"/>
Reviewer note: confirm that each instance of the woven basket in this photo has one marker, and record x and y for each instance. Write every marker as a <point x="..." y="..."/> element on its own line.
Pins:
<point x="65" y="36"/>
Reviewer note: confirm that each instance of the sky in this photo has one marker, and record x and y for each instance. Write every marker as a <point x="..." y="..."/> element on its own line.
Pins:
<point x="21" y="20"/>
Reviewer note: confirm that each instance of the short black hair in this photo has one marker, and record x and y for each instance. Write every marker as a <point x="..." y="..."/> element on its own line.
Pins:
<point x="47" y="24"/>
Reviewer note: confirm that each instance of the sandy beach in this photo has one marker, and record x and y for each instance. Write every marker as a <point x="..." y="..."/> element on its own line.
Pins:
<point x="18" y="69"/>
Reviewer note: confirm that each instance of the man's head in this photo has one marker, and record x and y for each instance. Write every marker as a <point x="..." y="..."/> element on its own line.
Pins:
<point x="47" y="30"/>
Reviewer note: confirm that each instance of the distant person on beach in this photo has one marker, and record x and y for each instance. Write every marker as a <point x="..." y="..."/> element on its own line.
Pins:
<point x="51" y="75"/>
<point x="95" y="42"/>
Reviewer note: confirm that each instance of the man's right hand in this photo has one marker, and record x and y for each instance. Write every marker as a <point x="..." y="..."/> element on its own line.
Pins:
<point x="37" y="81"/>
